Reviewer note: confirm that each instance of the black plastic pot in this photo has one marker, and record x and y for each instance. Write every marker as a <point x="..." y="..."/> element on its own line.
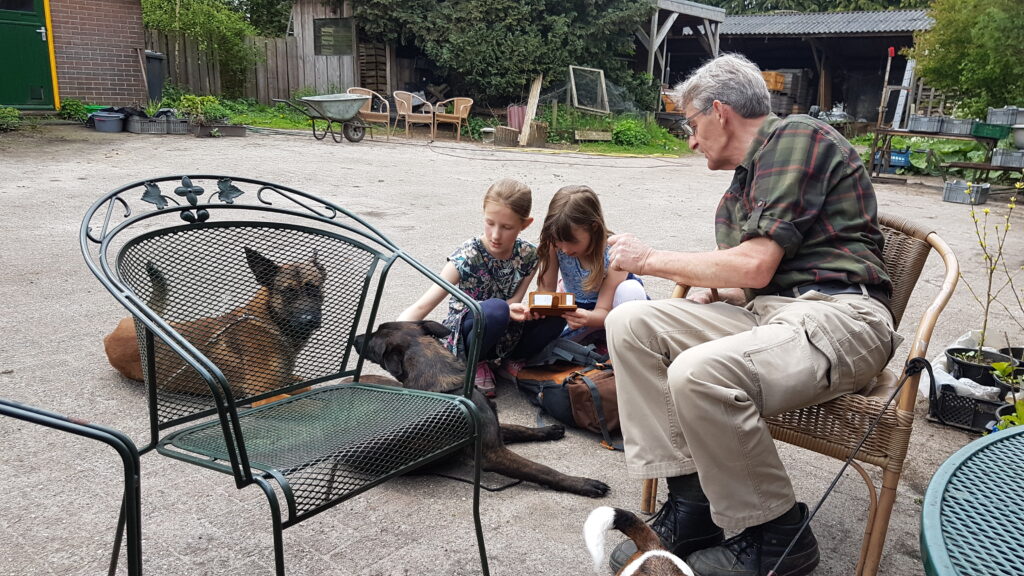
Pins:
<point x="980" y="372"/>
<point x="1017" y="352"/>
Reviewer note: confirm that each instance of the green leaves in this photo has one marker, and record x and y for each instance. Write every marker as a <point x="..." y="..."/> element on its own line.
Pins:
<point x="496" y="47"/>
<point x="976" y="50"/>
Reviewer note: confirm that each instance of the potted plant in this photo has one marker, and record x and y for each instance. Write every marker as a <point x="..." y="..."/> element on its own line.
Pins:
<point x="150" y="123"/>
<point x="975" y="363"/>
<point x="208" y="116"/>
<point x="1009" y="377"/>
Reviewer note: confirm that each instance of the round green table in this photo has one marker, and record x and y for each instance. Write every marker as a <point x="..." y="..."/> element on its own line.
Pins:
<point x="972" y="522"/>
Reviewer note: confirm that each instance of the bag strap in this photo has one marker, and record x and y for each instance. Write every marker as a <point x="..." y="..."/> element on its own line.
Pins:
<point x="607" y="442"/>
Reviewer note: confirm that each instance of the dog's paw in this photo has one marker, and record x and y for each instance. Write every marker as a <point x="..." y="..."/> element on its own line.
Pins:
<point x="554" y="432"/>
<point x="592" y="488"/>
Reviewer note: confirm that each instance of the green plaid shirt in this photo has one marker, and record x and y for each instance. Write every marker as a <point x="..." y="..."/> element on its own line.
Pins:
<point x="804" y="186"/>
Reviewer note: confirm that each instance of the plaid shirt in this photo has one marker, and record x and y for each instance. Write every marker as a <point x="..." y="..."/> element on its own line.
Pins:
<point x="804" y="186"/>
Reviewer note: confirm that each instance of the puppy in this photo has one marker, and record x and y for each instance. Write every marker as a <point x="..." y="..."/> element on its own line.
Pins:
<point x="411" y="352"/>
<point x="650" y="559"/>
<point x="255" y="345"/>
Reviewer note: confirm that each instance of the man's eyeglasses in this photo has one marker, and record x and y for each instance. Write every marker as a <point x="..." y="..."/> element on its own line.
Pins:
<point x="690" y="130"/>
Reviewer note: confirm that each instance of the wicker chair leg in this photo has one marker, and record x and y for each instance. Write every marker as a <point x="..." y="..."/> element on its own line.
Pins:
<point x="886" y="500"/>
<point x="649" y="496"/>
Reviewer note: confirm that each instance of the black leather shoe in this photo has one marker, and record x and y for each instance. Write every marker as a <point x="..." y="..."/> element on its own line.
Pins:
<point x="755" y="551"/>
<point x="682" y="526"/>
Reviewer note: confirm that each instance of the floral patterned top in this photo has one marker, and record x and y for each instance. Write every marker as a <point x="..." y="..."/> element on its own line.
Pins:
<point x="481" y="277"/>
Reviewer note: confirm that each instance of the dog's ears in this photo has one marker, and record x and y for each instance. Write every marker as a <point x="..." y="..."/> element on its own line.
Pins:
<point x="316" y="262"/>
<point x="263" y="268"/>
<point x="435" y="329"/>
<point x="394" y="364"/>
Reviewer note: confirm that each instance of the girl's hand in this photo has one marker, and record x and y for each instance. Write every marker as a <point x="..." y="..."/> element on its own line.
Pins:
<point x="519" y="312"/>
<point x="577" y="318"/>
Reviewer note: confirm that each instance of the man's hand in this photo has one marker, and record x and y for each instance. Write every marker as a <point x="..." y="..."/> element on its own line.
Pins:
<point x="734" y="296"/>
<point x="627" y="252"/>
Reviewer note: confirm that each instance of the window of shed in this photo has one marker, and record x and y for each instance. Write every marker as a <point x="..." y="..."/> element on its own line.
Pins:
<point x="332" y="36"/>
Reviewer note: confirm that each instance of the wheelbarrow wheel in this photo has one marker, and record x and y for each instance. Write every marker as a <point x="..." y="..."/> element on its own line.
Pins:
<point x="353" y="133"/>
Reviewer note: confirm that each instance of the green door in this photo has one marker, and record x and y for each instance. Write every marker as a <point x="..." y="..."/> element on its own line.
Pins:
<point x="25" y="55"/>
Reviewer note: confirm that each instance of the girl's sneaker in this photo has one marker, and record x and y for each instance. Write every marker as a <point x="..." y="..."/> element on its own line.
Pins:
<point x="484" y="380"/>
<point x="507" y="371"/>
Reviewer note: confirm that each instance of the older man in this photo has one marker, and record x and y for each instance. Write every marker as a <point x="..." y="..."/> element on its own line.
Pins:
<point x="804" y="319"/>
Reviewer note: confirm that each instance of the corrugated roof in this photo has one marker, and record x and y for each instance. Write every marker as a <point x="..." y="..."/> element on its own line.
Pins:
<point x="826" y="23"/>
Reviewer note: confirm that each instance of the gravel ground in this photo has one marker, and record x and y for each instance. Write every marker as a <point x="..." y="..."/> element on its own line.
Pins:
<point x="59" y="504"/>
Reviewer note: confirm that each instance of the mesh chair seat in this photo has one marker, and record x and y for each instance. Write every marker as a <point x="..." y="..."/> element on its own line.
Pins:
<point x="334" y="442"/>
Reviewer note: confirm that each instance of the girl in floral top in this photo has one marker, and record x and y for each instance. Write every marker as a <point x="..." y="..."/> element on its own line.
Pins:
<point x="495" y="269"/>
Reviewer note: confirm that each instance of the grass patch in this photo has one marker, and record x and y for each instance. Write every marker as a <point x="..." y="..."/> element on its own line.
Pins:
<point x="278" y="116"/>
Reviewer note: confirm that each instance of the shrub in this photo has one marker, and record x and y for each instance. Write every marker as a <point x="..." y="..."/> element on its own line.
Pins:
<point x="203" y="110"/>
<point x="72" y="109"/>
<point x="630" y="132"/>
<point x="10" y="119"/>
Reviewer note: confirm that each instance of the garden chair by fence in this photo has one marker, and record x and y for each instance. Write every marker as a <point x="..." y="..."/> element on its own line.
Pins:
<point x="223" y="276"/>
<point x="835" y="428"/>
<point x="458" y="116"/>
<point x="367" y="112"/>
<point x="405" y="103"/>
<point x="130" y="516"/>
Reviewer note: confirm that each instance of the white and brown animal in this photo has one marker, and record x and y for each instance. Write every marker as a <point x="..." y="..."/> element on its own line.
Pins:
<point x="651" y="559"/>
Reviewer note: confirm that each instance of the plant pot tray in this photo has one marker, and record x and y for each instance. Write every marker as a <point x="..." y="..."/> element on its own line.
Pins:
<point x="220" y="130"/>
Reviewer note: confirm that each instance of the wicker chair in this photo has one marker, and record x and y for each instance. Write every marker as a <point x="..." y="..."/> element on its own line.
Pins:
<point x="366" y="111"/>
<point x="459" y="115"/>
<point x="834" y="428"/>
<point x="404" y="102"/>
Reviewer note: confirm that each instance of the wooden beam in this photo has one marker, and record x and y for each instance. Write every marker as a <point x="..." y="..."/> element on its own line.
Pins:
<point x="531" y="108"/>
<point x="652" y="48"/>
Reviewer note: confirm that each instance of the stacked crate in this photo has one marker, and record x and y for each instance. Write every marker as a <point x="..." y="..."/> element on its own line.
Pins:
<point x="790" y="90"/>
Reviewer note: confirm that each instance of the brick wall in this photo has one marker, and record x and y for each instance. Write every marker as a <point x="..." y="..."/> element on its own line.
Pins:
<point x="96" y="44"/>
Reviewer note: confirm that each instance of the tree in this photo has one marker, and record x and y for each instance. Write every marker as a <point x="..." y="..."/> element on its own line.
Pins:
<point x="975" y="50"/>
<point x="215" y="26"/>
<point x="269" y="17"/>
<point x="495" y="47"/>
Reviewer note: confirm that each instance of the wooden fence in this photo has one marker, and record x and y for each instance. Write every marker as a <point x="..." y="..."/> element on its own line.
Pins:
<point x="283" y="67"/>
<point x="198" y="71"/>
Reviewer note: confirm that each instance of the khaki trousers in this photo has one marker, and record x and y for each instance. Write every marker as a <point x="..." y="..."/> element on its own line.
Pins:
<point x="694" y="381"/>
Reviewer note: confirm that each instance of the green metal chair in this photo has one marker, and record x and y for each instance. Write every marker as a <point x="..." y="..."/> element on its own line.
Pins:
<point x="130" y="515"/>
<point x="243" y="384"/>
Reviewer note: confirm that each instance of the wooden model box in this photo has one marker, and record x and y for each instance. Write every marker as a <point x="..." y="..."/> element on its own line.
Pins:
<point x="552" y="303"/>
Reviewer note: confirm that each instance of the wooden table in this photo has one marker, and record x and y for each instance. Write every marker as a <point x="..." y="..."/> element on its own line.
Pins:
<point x="972" y="521"/>
<point x="882" y="141"/>
<point x="981" y="170"/>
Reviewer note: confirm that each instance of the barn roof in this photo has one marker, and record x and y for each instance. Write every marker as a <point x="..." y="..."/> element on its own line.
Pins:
<point x="827" y="23"/>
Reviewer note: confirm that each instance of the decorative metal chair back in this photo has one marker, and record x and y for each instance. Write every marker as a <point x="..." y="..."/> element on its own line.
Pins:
<point x="247" y="293"/>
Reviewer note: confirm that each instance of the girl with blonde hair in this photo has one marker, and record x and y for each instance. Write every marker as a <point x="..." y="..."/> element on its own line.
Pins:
<point x="494" y="268"/>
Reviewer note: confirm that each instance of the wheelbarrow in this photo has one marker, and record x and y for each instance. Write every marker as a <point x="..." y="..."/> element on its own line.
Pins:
<point x="332" y="109"/>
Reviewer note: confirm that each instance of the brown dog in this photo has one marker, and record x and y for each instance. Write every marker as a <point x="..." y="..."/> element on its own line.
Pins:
<point x="255" y="345"/>
<point x="411" y="352"/>
<point x="651" y="559"/>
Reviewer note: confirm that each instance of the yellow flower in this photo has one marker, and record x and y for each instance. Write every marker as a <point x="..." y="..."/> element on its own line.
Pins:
<point x="986" y="211"/>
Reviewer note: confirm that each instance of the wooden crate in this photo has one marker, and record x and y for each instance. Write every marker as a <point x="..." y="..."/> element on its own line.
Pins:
<point x="776" y="81"/>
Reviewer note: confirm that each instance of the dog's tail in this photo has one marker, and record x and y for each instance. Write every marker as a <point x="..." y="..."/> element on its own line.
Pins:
<point x="158" y="298"/>
<point x="604" y="518"/>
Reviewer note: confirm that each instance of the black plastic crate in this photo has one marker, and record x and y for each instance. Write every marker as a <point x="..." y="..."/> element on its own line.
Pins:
<point x="962" y="412"/>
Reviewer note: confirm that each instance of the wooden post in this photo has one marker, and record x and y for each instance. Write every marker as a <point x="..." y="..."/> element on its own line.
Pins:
<point x="554" y="114"/>
<point x="531" y="108"/>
